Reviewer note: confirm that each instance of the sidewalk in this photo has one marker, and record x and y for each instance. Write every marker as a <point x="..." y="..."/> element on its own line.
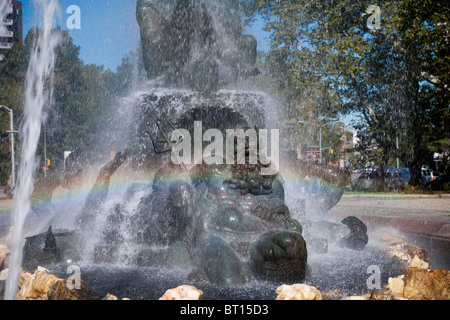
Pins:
<point x="431" y="208"/>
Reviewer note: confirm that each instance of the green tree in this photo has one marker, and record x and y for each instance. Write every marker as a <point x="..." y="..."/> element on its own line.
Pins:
<point x="396" y="78"/>
<point x="80" y="103"/>
<point x="83" y="98"/>
<point x="424" y="32"/>
<point x="130" y="72"/>
<point x="12" y="77"/>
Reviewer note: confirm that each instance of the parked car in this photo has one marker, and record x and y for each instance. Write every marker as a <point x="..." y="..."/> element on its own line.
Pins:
<point x="397" y="179"/>
<point x="394" y="180"/>
<point x="368" y="181"/>
<point x="426" y="176"/>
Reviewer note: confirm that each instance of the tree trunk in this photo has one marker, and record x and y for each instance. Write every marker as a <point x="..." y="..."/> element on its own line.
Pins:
<point x="382" y="185"/>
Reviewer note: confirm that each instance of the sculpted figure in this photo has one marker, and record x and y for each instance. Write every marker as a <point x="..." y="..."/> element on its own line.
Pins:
<point x="234" y="221"/>
<point x="195" y="43"/>
<point x="243" y="228"/>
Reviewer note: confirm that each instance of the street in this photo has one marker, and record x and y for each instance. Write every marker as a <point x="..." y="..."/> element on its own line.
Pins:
<point x="415" y="207"/>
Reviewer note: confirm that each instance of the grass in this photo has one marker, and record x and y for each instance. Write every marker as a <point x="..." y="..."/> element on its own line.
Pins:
<point x="422" y="190"/>
<point x="366" y="192"/>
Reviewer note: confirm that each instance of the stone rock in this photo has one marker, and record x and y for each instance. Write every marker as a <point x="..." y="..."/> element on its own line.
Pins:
<point x="60" y="291"/>
<point x="35" y="286"/>
<point x="358" y="238"/>
<point x="183" y="293"/>
<point x="356" y="298"/>
<point x="422" y="255"/>
<point x="298" y="292"/>
<point x="23" y="277"/>
<point x="422" y="284"/>
<point x="416" y="262"/>
<point x="332" y="295"/>
<point x="377" y="295"/>
<point x="396" y="286"/>
<point x="4" y="274"/>
<point x="43" y="270"/>
<point x="110" y="297"/>
<point x="51" y="247"/>
<point x="4" y="254"/>
<point x="406" y="252"/>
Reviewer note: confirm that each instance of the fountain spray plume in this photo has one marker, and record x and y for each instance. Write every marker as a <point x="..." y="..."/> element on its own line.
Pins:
<point x="38" y="94"/>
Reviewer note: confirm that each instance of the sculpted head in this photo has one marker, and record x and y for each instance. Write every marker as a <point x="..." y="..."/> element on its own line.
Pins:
<point x="195" y="43"/>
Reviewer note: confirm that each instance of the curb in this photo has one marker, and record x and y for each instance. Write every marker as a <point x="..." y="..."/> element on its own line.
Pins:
<point x="398" y="195"/>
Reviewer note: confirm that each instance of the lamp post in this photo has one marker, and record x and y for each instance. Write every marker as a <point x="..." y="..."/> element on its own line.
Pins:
<point x="12" y="145"/>
<point x="320" y="143"/>
<point x="396" y="144"/>
<point x="320" y="133"/>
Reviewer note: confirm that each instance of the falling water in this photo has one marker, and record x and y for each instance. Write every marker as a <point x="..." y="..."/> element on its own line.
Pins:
<point x="38" y="93"/>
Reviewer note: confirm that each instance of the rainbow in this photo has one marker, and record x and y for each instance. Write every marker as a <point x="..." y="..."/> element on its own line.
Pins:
<point x="296" y="185"/>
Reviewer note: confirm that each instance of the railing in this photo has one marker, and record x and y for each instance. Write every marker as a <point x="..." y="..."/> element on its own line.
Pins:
<point x="6" y="45"/>
<point x="8" y="34"/>
<point x="8" y="22"/>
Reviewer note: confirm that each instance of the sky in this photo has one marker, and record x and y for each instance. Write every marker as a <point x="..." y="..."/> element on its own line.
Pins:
<point x="109" y="29"/>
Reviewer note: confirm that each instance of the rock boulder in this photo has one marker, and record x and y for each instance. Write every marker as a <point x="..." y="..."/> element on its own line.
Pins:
<point x="4" y="254"/>
<point x="61" y="291"/>
<point x="298" y="292"/>
<point x="183" y="293"/>
<point x="422" y="284"/>
<point x="35" y="286"/>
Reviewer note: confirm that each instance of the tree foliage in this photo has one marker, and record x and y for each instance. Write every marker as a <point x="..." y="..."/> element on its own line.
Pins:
<point x="328" y="60"/>
<point x="82" y="99"/>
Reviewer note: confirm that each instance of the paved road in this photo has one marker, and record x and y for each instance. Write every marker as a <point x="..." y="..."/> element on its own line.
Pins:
<point x="412" y="207"/>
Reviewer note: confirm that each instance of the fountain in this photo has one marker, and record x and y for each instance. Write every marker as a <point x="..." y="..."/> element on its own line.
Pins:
<point x="226" y="225"/>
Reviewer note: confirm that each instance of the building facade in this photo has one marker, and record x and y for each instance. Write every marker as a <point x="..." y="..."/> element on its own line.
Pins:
<point x="11" y="27"/>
